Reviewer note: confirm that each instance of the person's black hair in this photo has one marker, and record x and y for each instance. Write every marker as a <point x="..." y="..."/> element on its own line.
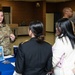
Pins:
<point x="3" y="22"/>
<point x="37" y="28"/>
<point x="66" y="29"/>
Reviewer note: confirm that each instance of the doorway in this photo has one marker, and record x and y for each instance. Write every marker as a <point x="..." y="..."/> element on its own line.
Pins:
<point x="7" y="14"/>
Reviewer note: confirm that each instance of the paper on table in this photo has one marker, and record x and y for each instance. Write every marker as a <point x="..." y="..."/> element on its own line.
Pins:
<point x="9" y="56"/>
<point x="13" y="63"/>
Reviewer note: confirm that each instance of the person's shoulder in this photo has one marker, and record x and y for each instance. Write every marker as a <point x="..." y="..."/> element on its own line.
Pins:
<point x="24" y="42"/>
<point x="48" y="44"/>
<point x="58" y="39"/>
<point x="48" y="47"/>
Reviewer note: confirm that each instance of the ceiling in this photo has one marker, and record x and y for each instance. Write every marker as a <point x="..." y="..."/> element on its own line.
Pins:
<point x="42" y="0"/>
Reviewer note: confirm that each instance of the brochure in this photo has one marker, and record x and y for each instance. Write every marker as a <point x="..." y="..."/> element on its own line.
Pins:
<point x="1" y="53"/>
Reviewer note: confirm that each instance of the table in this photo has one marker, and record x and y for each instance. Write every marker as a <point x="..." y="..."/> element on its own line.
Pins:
<point x="23" y="30"/>
<point x="7" y="69"/>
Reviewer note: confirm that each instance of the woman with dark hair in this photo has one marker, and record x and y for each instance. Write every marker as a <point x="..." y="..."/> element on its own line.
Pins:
<point x="34" y="57"/>
<point x="5" y="35"/>
<point x="64" y="48"/>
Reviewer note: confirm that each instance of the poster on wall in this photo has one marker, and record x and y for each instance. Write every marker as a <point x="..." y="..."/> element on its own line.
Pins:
<point x="49" y="22"/>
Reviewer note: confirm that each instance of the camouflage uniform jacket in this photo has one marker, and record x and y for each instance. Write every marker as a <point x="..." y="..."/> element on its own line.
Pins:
<point x="5" y="31"/>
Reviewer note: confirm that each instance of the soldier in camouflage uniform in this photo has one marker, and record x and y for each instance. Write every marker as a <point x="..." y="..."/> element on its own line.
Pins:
<point x="5" y="35"/>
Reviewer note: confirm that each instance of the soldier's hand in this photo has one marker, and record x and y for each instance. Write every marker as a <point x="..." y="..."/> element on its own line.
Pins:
<point x="12" y="37"/>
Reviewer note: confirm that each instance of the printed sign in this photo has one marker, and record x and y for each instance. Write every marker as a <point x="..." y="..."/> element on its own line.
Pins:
<point x="1" y="53"/>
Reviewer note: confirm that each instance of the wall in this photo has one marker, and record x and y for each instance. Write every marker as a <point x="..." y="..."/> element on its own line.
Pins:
<point x="21" y="11"/>
<point x="57" y="8"/>
<point x="66" y="4"/>
<point x="27" y="11"/>
<point x="51" y="7"/>
<point x="40" y="13"/>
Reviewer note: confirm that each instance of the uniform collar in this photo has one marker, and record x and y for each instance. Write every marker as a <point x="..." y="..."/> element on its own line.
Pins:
<point x="2" y="25"/>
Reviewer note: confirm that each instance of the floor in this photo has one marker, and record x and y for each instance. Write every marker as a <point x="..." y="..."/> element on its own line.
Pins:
<point x="50" y="38"/>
